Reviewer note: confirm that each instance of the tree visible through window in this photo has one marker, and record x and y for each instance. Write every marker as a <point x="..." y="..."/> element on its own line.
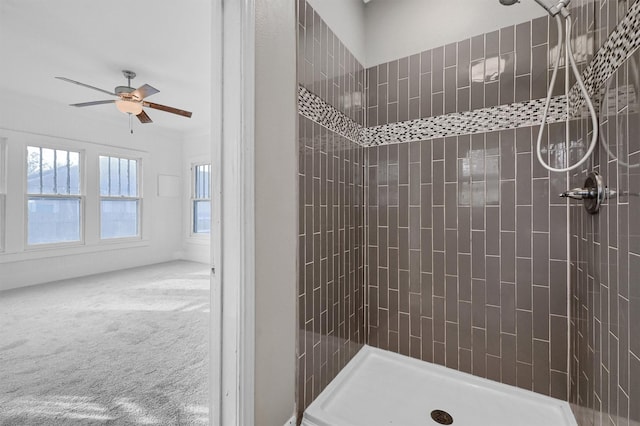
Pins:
<point x="53" y="196"/>
<point x="202" y="199"/>
<point x="119" y="198"/>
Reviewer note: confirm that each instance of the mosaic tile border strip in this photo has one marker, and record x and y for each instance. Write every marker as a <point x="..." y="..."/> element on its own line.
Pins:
<point x="483" y="120"/>
<point x="501" y="117"/>
<point x="315" y="109"/>
<point x="618" y="47"/>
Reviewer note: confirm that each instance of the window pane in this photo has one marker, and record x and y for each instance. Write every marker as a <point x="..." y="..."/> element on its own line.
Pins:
<point x="124" y="177"/>
<point x="196" y="179"/>
<point x="118" y="177"/>
<point x="53" y="220"/>
<point x="118" y="218"/>
<point x="202" y="181"/>
<point x="114" y="176"/>
<point x="201" y="217"/>
<point x="207" y="176"/>
<point x="33" y="170"/>
<point x="60" y="172"/>
<point x="52" y="171"/>
<point x="48" y="171"/>
<point x="104" y="175"/>
<point x="74" y="171"/>
<point x="133" y="177"/>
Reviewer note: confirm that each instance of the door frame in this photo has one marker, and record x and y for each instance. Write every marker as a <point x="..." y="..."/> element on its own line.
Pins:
<point x="232" y="345"/>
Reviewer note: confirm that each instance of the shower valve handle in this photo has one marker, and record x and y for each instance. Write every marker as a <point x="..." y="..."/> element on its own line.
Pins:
<point x="593" y="194"/>
<point x="580" y="194"/>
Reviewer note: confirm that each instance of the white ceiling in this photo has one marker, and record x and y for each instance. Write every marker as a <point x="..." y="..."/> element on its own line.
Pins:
<point x="166" y="42"/>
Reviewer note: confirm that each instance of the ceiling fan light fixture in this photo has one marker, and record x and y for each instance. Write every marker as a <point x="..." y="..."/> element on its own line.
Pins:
<point x="129" y="107"/>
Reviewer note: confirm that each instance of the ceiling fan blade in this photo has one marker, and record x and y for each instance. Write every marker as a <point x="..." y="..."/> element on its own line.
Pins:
<point x="144" y="92"/>
<point x="144" y="118"/>
<point x="68" y="80"/>
<point x="84" y="104"/>
<point x="168" y="109"/>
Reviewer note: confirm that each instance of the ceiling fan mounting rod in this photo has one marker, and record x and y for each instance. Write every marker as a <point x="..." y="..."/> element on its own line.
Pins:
<point x="129" y="75"/>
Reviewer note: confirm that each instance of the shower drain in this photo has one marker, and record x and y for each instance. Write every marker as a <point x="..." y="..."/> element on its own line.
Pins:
<point x="441" y="417"/>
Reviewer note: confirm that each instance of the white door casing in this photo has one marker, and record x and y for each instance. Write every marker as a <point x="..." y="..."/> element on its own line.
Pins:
<point x="232" y="336"/>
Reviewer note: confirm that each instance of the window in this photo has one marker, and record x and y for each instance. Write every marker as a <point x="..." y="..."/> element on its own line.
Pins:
<point x="54" y="201"/>
<point x="201" y="199"/>
<point x="119" y="198"/>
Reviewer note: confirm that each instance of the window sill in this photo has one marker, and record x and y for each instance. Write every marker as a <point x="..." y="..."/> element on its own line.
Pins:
<point x="52" y="252"/>
<point x="199" y="239"/>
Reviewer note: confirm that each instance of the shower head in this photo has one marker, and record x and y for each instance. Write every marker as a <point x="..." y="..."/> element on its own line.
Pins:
<point x="508" y="2"/>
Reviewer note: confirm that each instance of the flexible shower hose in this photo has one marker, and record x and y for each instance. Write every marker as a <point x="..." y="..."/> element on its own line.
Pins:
<point x="592" y="112"/>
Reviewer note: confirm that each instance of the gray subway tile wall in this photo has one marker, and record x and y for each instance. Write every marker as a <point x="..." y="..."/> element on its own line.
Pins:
<point x="326" y="67"/>
<point x="489" y="273"/>
<point x="447" y="259"/>
<point x="484" y="71"/>
<point x="465" y="237"/>
<point x="331" y="290"/>
<point x="331" y="257"/>
<point x="605" y="263"/>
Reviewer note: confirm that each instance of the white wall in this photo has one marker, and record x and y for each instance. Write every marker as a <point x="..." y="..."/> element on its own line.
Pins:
<point x="276" y="211"/>
<point x="399" y="28"/>
<point x="196" y="149"/>
<point x="26" y="121"/>
<point x="346" y="20"/>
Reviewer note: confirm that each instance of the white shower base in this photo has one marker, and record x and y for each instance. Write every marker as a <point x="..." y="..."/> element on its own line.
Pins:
<point x="383" y="388"/>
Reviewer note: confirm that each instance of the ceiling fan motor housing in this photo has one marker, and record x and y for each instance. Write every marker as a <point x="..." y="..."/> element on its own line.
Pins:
<point x="123" y="90"/>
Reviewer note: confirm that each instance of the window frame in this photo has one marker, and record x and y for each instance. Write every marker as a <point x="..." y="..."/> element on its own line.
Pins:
<point x="81" y="196"/>
<point x="138" y="199"/>
<point x="193" y="200"/>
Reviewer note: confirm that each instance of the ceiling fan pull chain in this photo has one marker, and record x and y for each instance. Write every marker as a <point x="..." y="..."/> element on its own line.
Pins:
<point x="130" y="124"/>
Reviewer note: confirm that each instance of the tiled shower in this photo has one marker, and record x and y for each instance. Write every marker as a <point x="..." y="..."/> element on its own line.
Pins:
<point x="428" y="228"/>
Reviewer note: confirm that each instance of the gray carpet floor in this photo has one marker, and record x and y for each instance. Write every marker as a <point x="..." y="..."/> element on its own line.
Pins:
<point x="123" y="348"/>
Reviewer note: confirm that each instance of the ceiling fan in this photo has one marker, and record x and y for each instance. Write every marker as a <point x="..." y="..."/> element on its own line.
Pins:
<point x="130" y="100"/>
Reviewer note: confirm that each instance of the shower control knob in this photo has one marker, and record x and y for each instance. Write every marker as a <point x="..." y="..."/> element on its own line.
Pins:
<point x="593" y="194"/>
<point x="579" y="194"/>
